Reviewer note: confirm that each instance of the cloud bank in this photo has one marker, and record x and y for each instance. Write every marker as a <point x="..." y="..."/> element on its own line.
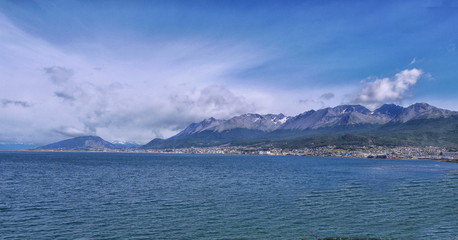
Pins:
<point x="166" y="86"/>
<point x="387" y="90"/>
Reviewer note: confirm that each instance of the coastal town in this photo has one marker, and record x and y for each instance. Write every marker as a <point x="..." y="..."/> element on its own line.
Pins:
<point x="379" y="152"/>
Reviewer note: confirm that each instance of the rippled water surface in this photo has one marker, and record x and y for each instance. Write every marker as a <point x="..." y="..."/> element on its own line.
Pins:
<point x="160" y="196"/>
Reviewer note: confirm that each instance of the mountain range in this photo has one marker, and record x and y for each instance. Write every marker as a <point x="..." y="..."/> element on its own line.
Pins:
<point x="418" y="124"/>
<point x="343" y="115"/>
<point x="346" y="125"/>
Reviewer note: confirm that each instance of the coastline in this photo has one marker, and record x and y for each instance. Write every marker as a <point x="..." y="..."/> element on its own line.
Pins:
<point x="176" y="151"/>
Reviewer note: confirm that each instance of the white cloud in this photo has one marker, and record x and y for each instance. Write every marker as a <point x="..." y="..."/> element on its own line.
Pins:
<point x="387" y="90"/>
<point x="155" y="91"/>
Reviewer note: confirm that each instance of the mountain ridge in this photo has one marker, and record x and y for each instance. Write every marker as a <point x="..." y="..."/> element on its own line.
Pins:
<point x="267" y="122"/>
<point x="325" y="117"/>
<point x="342" y="119"/>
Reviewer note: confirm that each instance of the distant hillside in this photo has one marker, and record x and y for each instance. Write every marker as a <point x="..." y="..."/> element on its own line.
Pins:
<point x="417" y="125"/>
<point x="80" y="143"/>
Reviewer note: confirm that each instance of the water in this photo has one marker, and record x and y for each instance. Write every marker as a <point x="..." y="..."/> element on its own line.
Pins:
<point x="160" y="196"/>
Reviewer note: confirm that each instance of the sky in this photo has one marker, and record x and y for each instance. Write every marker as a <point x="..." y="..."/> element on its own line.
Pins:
<point x="131" y="71"/>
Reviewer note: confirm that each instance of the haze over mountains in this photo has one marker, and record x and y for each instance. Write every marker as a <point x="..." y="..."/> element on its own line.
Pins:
<point x="390" y="124"/>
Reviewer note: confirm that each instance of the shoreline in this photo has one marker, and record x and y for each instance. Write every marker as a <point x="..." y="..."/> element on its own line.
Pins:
<point x="254" y="154"/>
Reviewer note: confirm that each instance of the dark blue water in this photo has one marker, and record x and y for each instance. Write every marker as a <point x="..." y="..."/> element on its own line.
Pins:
<point x="158" y="196"/>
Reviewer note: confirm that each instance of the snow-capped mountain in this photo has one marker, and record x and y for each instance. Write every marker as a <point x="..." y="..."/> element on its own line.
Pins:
<point x="356" y="114"/>
<point x="422" y="111"/>
<point x="343" y="115"/>
<point x="330" y="117"/>
<point x="267" y="123"/>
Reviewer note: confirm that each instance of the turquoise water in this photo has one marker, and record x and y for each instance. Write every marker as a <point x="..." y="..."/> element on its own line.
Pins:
<point x="160" y="196"/>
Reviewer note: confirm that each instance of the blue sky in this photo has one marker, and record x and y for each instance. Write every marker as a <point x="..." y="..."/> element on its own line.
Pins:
<point x="135" y="70"/>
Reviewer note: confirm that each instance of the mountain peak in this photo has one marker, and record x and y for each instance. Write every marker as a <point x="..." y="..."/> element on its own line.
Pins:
<point x="391" y="110"/>
<point x="389" y="105"/>
<point x="81" y="143"/>
<point x="421" y="106"/>
<point x="208" y="120"/>
<point x="329" y="117"/>
<point x="89" y="137"/>
<point x="422" y="111"/>
<point x="350" y="108"/>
